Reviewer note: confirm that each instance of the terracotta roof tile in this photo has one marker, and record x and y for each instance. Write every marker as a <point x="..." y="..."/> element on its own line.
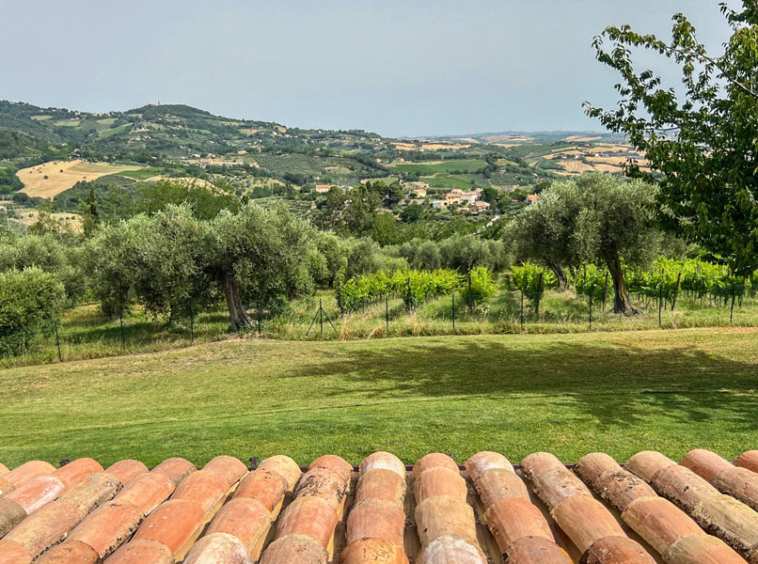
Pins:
<point x="28" y="471"/>
<point x="652" y="509"/>
<point x="748" y="460"/>
<point x="245" y="519"/>
<point x="445" y="523"/>
<point x="126" y="470"/>
<point x="77" y="470"/>
<point x="267" y="488"/>
<point x="70" y="552"/>
<point x="108" y="527"/>
<point x="285" y="467"/>
<point x="142" y="551"/>
<point x="5" y="487"/>
<point x="146" y="492"/>
<point x="218" y="548"/>
<point x="739" y="483"/>
<point x="203" y="488"/>
<point x="175" y="469"/>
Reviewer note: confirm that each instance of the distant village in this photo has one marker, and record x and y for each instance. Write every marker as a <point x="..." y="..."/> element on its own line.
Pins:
<point x="463" y="202"/>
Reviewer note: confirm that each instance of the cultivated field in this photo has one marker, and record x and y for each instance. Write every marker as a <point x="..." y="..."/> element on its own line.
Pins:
<point x="50" y="179"/>
<point x="618" y="393"/>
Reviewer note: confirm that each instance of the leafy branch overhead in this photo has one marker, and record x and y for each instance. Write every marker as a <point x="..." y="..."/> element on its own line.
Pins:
<point x="702" y="139"/>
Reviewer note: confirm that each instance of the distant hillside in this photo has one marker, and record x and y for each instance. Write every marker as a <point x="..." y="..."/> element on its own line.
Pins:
<point x="263" y="159"/>
<point x="172" y="131"/>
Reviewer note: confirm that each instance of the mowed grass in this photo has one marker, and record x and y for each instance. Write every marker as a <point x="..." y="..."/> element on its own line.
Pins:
<point x="568" y="394"/>
<point x="50" y="179"/>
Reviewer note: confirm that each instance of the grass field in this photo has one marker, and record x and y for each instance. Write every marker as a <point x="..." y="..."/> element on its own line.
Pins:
<point x="572" y="394"/>
<point x="50" y="179"/>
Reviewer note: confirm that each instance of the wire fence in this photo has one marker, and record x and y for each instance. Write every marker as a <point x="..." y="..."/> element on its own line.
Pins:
<point x="92" y="335"/>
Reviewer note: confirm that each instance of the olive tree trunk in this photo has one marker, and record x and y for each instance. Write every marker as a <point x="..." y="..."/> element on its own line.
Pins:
<point x="238" y="317"/>
<point x="621" y="301"/>
<point x="560" y="275"/>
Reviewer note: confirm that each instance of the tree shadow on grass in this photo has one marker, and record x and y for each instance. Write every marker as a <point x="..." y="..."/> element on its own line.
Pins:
<point x="617" y="385"/>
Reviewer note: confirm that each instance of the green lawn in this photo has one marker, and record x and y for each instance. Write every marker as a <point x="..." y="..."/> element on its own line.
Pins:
<point x="569" y="394"/>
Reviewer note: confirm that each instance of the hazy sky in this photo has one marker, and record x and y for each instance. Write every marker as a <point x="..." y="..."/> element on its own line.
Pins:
<point x="397" y="67"/>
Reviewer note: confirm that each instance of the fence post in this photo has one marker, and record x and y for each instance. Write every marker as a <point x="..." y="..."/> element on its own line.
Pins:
<point x="321" y="315"/>
<point x="591" y="292"/>
<point x="539" y="297"/>
<point x="522" y="310"/>
<point x="260" y="319"/>
<point x="731" y="312"/>
<point x="58" y="343"/>
<point x="387" y="311"/>
<point x="453" y="311"/>
<point x="410" y="296"/>
<point x="660" y="298"/>
<point x="470" y="308"/>
<point x="676" y="293"/>
<point x="123" y="338"/>
<point x="192" y="325"/>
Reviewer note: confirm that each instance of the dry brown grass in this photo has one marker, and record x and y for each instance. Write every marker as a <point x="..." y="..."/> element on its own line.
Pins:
<point x="63" y="175"/>
<point x="575" y="167"/>
<point x="582" y="138"/>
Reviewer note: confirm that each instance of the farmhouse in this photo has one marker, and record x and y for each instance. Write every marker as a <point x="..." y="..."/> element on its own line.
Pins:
<point x="441" y="204"/>
<point x="453" y="197"/>
<point x="532" y="198"/>
<point x="471" y="197"/>
<point x="323" y="188"/>
<point x="419" y="193"/>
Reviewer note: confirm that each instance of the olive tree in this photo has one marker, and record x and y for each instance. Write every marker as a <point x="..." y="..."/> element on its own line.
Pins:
<point x="260" y="255"/>
<point x="542" y="231"/>
<point x="608" y="220"/>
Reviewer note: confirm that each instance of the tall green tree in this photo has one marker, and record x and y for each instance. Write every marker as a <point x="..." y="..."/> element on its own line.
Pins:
<point x="701" y="137"/>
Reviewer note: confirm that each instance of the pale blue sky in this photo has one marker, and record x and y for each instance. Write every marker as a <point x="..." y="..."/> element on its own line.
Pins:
<point x="398" y="67"/>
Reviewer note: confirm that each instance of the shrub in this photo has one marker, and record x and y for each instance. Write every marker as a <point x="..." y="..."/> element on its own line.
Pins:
<point x="31" y="301"/>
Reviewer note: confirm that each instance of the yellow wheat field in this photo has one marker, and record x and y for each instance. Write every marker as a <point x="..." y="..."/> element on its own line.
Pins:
<point x="62" y="175"/>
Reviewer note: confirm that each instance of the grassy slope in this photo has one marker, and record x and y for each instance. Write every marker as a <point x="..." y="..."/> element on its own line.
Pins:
<point x="569" y="394"/>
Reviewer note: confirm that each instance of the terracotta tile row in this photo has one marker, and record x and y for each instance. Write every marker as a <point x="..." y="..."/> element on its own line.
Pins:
<point x="700" y="511"/>
<point x="674" y="535"/>
<point x="586" y="521"/>
<point x="110" y="525"/>
<point x="33" y="486"/>
<point x="11" y="479"/>
<point x="519" y="527"/>
<point x="735" y="481"/>
<point x="444" y="520"/>
<point x="720" y="515"/>
<point x="169" y="531"/>
<point x="237" y="532"/>
<point x="84" y="490"/>
<point x="376" y="523"/>
<point x="306" y="528"/>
